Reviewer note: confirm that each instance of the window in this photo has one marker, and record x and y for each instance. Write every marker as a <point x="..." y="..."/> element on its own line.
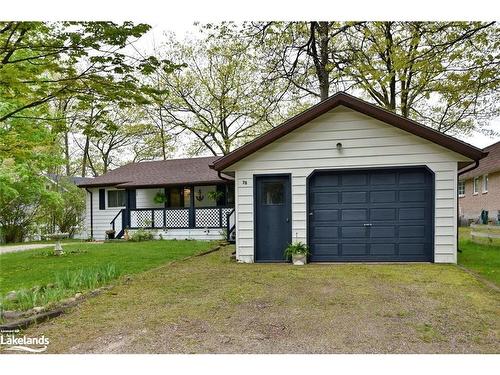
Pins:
<point x="475" y="185"/>
<point x="485" y="183"/>
<point x="117" y="198"/>
<point x="461" y="188"/>
<point x="272" y="193"/>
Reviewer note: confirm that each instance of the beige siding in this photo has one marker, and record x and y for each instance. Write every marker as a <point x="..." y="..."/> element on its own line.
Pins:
<point x="366" y="143"/>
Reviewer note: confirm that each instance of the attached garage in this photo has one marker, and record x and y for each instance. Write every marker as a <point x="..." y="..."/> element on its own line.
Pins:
<point x="351" y="180"/>
<point x="371" y="215"/>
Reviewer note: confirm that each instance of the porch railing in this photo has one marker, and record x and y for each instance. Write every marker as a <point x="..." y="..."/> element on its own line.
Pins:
<point x="177" y="218"/>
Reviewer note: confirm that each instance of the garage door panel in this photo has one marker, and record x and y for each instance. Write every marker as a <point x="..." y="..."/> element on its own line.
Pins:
<point x="354" y="249"/>
<point x="396" y="204"/>
<point x="411" y="231"/>
<point x="353" y="232"/>
<point x="327" y="215"/>
<point x="355" y="214"/>
<point x="329" y="180"/>
<point x="382" y="214"/>
<point x="387" y="178"/>
<point x="385" y="232"/>
<point x="412" y="177"/>
<point x="354" y="179"/>
<point x="354" y="197"/>
<point x="383" y="249"/>
<point x="415" y="213"/>
<point x="325" y="232"/>
<point x="383" y="196"/>
<point x="323" y="197"/>
<point x="326" y="249"/>
<point x="412" y="196"/>
<point x="412" y="248"/>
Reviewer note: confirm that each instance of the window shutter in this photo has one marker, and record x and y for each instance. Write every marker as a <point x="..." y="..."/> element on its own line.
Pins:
<point x="132" y="199"/>
<point x="102" y="199"/>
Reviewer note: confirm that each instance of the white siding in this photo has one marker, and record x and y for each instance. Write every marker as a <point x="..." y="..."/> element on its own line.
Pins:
<point x="366" y="142"/>
<point x="144" y="199"/>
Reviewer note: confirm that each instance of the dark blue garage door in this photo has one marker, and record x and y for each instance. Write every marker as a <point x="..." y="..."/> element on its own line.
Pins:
<point x="371" y="215"/>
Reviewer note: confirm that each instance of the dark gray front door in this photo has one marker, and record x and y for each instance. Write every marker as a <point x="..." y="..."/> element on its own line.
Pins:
<point x="273" y="230"/>
<point x="371" y="215"/>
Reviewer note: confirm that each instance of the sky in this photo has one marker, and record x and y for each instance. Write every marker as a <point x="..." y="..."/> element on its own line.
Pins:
<point x="182" y="28"/>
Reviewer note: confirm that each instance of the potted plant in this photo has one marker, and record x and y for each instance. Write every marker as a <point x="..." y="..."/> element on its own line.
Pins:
<point x="298" y="251"/>
<point x="160" y="198"/>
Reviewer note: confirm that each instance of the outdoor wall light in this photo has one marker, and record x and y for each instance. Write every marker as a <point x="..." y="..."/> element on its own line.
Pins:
<point x="339" y="146"/>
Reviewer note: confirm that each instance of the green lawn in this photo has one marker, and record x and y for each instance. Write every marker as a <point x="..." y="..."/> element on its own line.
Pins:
<point x="211" y="304"/>
<point x="33" y="267"/>
<point x="481" y="258"/>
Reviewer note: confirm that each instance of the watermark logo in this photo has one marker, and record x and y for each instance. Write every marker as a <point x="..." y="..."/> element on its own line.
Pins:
<point x="12" y="342"/>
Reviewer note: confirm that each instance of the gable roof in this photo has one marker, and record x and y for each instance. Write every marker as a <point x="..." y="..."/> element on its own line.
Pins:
<point x="159" y="174"/>
<point x="341" y="98"/>
<point x="489" y="164"/>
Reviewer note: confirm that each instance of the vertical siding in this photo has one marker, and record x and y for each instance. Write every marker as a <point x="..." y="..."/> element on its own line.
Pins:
<point x="366" y="143"/>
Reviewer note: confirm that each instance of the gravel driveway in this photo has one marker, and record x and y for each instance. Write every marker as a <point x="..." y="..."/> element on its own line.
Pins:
<point x="16" y="248"/>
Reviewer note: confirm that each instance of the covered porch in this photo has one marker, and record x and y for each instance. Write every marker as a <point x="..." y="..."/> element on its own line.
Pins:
<point x="180" y="209"/>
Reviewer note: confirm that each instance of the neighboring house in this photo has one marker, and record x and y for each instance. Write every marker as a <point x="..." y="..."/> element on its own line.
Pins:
<point x="353" y="181"/>
<point x="479" y="188"/>
<point x="182" y="199"/>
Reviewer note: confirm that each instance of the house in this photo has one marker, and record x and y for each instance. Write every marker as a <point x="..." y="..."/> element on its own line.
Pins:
<point x="353" y="181"/>
<point x="479" y="188"/>
<point x="181" y="199"/>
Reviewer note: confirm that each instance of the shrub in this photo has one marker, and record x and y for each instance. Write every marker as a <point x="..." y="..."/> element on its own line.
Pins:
<point x="296" y="248"/>
<point x="141" y="235"/>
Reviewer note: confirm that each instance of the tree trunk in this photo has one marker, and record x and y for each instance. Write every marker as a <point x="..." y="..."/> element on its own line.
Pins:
<point x="66" y="153"/>
<point x="85" y="156"/>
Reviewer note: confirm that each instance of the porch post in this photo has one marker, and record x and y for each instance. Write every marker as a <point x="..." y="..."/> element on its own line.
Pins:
<point x="165" y="205"/>
<point x="192" y="220"/>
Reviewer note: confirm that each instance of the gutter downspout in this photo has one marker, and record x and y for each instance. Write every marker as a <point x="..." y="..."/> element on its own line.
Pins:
<point x="476" y="164"/>
<point x="223" y="178"/>
<point x="91" y="213"/>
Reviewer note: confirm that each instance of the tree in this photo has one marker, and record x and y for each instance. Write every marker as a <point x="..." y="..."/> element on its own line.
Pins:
<point x="441" y="73"/>
<point x="309" y="55"/>
<point x="219" y="97"/>
<point x="65" y="214"/>
<point x="41" y="62"/>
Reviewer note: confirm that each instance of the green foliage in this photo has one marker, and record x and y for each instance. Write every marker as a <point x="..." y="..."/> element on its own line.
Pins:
<point x="215" y="195"/>
<point x="160" y="197"/>
<point x="66" y="214"/>
<point x="141" y="235"/>
<point x="25" y="269"/>
<point x="296" y="248"/>
<point x="444" y="74"/>
<point x="66" y="284"/>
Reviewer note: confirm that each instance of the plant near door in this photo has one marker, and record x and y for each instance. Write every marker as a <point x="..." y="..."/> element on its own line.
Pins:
<point x="298" y="251"/>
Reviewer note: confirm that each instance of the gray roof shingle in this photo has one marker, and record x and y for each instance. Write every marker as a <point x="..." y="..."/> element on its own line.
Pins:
<point x="159" y="173"/>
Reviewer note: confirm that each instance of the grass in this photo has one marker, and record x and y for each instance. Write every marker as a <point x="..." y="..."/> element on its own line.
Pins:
<point x="26" y="269"/>
<point x="67" y="284"/>
<point x="210" y="304"/>
<point x="483" y="259"/>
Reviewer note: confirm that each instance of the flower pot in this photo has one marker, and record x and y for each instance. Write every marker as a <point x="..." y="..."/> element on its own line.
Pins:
<point x="299" y="259"/>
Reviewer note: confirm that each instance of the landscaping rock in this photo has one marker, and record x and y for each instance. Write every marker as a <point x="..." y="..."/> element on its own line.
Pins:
<point x="11" y="314"/>
<point x="11" y="296"/>
<point x="68" y="301"/>
<point x="37" y="309"/>
<point x="78" y="295"/>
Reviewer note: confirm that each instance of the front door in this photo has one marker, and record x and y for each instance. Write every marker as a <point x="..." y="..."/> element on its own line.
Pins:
<point x="273" y="226"/>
